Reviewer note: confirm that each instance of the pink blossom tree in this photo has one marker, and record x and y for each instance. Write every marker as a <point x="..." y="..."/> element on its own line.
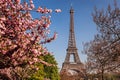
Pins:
<point x="21" y="35"/>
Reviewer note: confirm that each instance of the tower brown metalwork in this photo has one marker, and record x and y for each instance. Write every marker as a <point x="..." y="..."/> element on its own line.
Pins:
<point x="75" y="67"/>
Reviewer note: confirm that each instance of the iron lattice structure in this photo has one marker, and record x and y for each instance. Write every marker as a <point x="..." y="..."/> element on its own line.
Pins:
<point x="77" y="65"/>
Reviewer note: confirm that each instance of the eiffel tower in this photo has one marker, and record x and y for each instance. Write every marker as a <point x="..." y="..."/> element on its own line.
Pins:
<point x="76" y="66"/>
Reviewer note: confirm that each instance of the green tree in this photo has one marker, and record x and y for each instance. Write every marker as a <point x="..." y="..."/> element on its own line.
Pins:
<point x="38" y="73"/>
<point x="51" y="72"/>
<point x="48" y="71"/>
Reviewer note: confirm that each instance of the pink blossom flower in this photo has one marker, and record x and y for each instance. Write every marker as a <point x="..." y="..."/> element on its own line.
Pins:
<point x="39" y="9"/>
<point x="37" y="68"/>
<point x="3" y="18"/>
<point x="50" y="10"/>
<point x="31" y="1"/>
<point x="13" y="6"/>
<point x="2" y="32"/>
<point x="4" y="51"/>
<point x="35" y="59"/>
<point x="9" y="42"/>
<point x="46" y="25"/>
<point x="32" y="6"/>
<point x="18" y="1"/>
<point x="55" y="35"/>
<point x="57" y="10"/>
<point x="35" y="51"/>
<point x="30" y="62"/>
<point x="39" y="53"/>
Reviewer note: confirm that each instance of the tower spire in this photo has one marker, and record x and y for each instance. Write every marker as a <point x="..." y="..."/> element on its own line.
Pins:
<point x="71" y="5"/>
<point x="71" y="42"/>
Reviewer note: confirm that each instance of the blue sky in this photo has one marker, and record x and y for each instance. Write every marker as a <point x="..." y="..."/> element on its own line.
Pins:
<point x="85" y="28"/>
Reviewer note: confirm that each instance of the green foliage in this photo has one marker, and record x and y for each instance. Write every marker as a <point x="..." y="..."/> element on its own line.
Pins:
<point x="39" y="74"/>
<point x="51" y="72"/>
<point x="45" y="71"/>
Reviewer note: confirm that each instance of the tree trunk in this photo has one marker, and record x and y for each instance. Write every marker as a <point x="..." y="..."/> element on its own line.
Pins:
<point x="102" y="74"/>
